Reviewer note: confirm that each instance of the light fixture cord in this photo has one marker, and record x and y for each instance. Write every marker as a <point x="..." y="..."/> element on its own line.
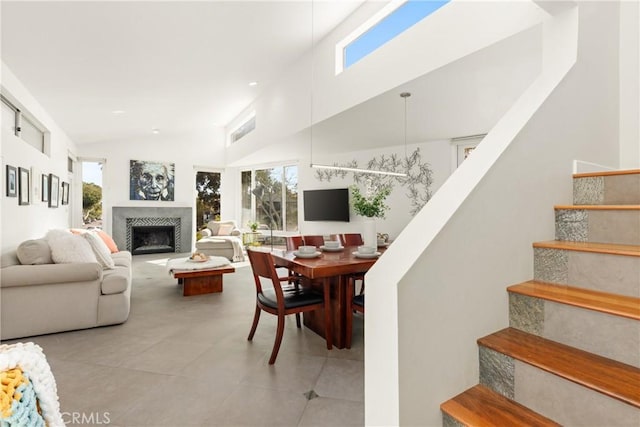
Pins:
<point x="311" y="93"/>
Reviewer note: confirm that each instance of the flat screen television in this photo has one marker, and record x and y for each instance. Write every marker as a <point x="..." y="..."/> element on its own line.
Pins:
<point x="326" y="205"/>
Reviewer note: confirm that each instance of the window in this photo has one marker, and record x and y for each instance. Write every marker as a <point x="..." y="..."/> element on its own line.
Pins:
<point x="247" y="126"/>
<point x="208" y="197"/>
<point x="391" y="21"/>
<point x="22" y="125"/>
<point x="270" y="197"/>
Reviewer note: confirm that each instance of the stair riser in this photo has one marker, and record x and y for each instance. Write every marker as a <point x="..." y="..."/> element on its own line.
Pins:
<point x="607" y="190"/>
<point x="614" y="337"/>
<point x="601" y="226"/>
<point x="603" y="272"/>
<point x="449" y="421"/>
<point x="553" y="396"/>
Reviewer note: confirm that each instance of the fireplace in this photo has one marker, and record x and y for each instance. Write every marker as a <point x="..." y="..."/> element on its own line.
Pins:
<point x="153" y="239"/>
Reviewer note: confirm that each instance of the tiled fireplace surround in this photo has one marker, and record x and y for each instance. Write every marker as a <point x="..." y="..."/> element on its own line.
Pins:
<point x="132" y="216"/>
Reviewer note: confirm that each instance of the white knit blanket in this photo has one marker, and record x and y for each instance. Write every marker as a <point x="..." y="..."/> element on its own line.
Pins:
<point x="185" y="264"/>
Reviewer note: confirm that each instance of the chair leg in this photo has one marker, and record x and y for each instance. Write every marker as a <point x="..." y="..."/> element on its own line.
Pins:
<point x="278" y="341"/>
<point x="349" y="321"/>
<point x="298" y="320"/>
<point x="256" y="318"/>
<point x="328" y="331"/>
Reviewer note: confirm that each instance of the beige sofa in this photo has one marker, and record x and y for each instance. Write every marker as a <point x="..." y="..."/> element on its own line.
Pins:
<point x="221" y="238"/>
<point x="47" y="298"/>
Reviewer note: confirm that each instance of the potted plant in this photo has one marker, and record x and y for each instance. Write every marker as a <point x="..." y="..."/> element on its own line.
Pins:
<point x="253" y="226"/>
<point x="370" y="205"/>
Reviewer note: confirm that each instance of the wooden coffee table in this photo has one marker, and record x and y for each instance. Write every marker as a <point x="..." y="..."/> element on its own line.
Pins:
<point x="198" y="282"/>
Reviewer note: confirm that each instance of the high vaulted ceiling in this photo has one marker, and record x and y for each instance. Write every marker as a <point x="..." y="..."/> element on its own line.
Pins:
<point x="175" y="66"/>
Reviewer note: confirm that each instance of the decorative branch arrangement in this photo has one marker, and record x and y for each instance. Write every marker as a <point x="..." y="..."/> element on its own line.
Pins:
<point x="417" y="182"/>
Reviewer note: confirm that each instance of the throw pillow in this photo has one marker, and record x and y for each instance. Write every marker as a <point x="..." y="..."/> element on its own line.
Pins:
<point x="225" y="229"/>
<point x="69" y="248"/>
<point x="111" y="244"/>
<point x="33" y="252"/>
<point x="100" y="250"/>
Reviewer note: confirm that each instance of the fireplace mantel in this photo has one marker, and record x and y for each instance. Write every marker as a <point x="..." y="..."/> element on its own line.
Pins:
<point x="124" y="217"/>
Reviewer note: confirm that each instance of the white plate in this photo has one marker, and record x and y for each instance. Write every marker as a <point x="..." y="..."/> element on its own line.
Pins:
<point x="373" y="255"/>
<point x="313" y="255"/>
<point x="338" y="249"/>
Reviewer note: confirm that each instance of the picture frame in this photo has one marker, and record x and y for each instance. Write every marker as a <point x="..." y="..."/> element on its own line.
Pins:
<point x="12" y="181"/>
<point x="45" y="187"/>
<point x="54" y="190"/>
<point x="36" y="188"/>
<point x="65" y="193"/>
<point x="24" y="189"/>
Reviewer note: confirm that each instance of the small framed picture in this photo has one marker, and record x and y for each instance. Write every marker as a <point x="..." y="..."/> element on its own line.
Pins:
<point x="65" y="193"/>
<point x="54" y="190"/>
<point x="45" y="187"/>
<point x="24" y="190"/>
<point x="12" y="181"/>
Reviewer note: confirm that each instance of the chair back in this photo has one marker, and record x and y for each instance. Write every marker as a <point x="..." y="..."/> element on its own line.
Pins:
<point x="351" y="239"/>
<point x="294" y="242"/>
<point x="263" y="265"/>
<point x="313" y="240"/>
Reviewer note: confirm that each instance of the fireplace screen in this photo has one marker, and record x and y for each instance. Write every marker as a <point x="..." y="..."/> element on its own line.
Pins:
<point x="152" y="239"/>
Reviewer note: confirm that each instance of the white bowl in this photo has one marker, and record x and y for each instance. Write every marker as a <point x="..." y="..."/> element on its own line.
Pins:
<point x="332" y="244"/>
<point x="307" y="249"/>
<point x="366" y="250"/>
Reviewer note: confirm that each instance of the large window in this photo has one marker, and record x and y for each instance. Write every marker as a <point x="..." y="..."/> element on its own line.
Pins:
<point x="391" y="21"/>
<point x="270" y="198"/>
<point x="208" y="197"/>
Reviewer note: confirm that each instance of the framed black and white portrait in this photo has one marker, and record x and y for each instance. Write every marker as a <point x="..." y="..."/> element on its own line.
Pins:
<point x="151" y="180"/>
<point x="12" y="181"/>
<point x="24" y="190"/>
<point x="65" y="193"/>
<point x="54" y="190"/>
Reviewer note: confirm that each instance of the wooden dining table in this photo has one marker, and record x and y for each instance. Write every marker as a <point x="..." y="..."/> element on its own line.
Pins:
<point x="330" y="269"/>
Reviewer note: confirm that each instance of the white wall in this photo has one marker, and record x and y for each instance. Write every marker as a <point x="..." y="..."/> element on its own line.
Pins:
<point x="474" y="238"/>
<point x="202" y="151"/>
<point x="20" y="223"/>
<point x="629" y="85"/>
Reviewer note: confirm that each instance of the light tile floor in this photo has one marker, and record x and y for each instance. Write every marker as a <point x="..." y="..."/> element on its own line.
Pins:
<point x="185" y="361"/>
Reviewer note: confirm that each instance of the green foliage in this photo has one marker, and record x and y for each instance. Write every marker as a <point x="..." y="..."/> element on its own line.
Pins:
<point x="91" y="201"/>
<point x="371" y="206"/>
<point x="253" y="226"/>
<point x="208" y="198"/>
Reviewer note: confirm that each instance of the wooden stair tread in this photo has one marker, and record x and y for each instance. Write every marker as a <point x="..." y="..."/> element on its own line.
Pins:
<point x="604" y="248"/>
<point x="618" y="305"/>
<point x="607" y="173"/>
<point x="480" y="406"/>
<point x="615" y="379"/>
<point x="599" y="207"/>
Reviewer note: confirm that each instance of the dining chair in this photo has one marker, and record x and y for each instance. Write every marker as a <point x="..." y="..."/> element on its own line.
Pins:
<point x="357" y="305"/>
<point x="351" y="239"/>
<point x="293" y="242"/>
<point x="280" y="303"/>
<point x="313" y="240"/>
<point x="354" y="239"/>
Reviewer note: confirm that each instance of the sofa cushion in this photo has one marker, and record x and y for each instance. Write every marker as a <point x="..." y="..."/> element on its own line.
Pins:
<point x="100" y="249"/>
<point x="225" y="229"/>
<point x="205" y="232"/>
<point x="108" y="240"/>
<point x="32" y="252"/>
<point x="69" y="248"/>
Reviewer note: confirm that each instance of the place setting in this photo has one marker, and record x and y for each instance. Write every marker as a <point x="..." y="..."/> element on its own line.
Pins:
<point x="332" y="246"/>
<point x="366" y="252"/>
<point x="307" y="252"/>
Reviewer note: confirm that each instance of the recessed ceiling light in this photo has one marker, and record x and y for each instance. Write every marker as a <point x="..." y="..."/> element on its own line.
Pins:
<point x="253" y="83"/>
<point x="155" y="131"/>
<point x="117" y="112"/>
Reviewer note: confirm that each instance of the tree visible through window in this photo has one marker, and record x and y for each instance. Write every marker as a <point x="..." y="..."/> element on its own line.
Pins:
<point x="208" y="199"/>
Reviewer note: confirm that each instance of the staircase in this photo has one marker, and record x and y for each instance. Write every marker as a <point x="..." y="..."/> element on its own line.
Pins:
<point x="571" y="353"/>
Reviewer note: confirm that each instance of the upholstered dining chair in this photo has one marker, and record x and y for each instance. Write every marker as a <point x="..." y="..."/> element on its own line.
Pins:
<point x="313" y="240"/>
<point x="281" y="303"/>
<point x="357" y="305"/>
<point x="293" y="242"/>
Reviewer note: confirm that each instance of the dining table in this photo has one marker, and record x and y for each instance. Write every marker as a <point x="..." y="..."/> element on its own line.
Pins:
<point x="330" y="269"/>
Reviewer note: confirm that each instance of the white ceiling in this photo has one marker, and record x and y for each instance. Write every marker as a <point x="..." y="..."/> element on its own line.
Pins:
<point x="176" y="66"/>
